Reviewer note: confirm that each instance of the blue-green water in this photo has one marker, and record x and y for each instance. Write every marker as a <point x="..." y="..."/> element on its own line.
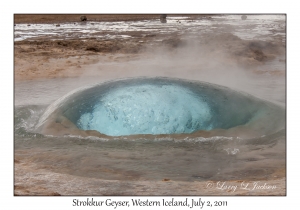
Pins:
<point x="239" y="130"/>
<point x="163" y="106"/>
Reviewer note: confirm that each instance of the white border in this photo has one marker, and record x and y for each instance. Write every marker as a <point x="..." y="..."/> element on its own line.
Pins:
<point x="8" y="8"/>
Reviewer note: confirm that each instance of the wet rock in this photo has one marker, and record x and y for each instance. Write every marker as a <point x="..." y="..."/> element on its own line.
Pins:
<point x="57" y="25"/>
<point x="62" y="43"/>
<point x="83" y="18"/>
<point x="54" y="194"/>
<point x="163" y="18"/>
<point x="150" y="35"/>
<point x="93" y="48"/>
<point x="259" y="55"/>
<point x="174" y="42"/>
<point x="244" y="17"/>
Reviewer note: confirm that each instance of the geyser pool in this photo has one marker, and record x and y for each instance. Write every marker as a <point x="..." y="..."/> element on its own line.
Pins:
<point x="147" y="109"/>
<point x="161" y="106"/>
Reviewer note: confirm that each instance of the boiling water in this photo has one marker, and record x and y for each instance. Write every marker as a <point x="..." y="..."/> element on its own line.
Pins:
<point x="158" y="149"/>
<point x="161" y="106"/>
<point x="184" y="157"/>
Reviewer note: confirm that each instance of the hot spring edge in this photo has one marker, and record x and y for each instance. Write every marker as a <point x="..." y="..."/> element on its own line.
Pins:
<point x="157" y="106"/>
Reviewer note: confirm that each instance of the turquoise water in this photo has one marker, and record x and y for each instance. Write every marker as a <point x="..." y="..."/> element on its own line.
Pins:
<point x="147" y="109"/>
<point x="162" y="106"/>
<point x="253" y="131"/>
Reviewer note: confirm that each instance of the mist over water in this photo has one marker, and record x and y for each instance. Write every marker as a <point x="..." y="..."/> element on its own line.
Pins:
<point x="158" y="106"/>
<point x="185" y="157"/>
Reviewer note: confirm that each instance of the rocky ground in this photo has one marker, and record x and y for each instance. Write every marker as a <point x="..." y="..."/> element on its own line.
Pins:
<point x="33" y="180"/>
<point x="67" y="58"/>
<point x="44" y="58"/>
<point x="63" y="18"/>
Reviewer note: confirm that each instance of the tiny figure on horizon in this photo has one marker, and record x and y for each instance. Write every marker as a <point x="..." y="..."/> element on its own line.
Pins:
<point x="163" y="18"/>
<point x="83" y="18"/>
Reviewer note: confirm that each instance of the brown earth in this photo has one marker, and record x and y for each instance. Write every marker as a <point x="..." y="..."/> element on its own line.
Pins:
<point x="66" y="58"/>
<point x="62" y="18"/>
<point x="31" y="179"/>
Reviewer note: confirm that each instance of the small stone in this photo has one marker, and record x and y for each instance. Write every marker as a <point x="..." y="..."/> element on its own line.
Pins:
<point x="163" y="18"/>
<point x="83" y="18"/>
<point x="57" y="25"/>
<point x="244" y="17"/>
<point x="55" y="194"/>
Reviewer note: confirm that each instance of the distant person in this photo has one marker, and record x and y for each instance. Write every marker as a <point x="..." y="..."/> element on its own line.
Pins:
<point x="163" y="18"/>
